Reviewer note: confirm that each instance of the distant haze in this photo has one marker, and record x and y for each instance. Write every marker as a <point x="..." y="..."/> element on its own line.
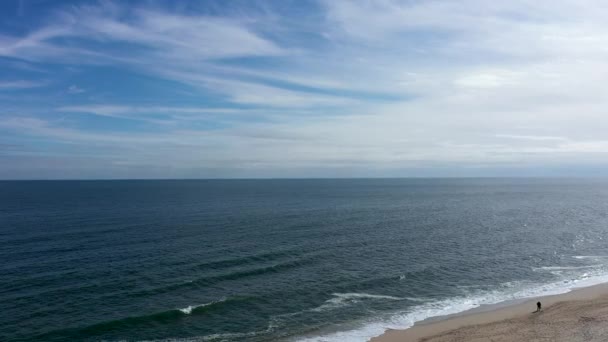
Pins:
<point x="237" y="89"/>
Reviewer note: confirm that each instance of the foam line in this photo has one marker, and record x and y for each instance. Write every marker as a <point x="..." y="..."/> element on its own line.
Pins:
<point x="449" y="306"/>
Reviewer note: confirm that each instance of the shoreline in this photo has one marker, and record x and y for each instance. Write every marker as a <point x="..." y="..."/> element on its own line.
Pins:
<point x="486" y="320"/>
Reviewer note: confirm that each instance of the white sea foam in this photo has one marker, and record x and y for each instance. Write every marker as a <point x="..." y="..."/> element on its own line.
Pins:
<point x="596" y="257"/>
<point x="364" y="296"/>
<point x="511" y="291"/>
<point x="343" y="299"/>
<point x="229" y="336"/>
<point x="415" y="299"/>
<point x="188" y="310"/>
<point x="564" y="268"/>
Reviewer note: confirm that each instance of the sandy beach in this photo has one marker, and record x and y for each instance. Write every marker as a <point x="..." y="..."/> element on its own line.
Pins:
<point x="579" y="315"/>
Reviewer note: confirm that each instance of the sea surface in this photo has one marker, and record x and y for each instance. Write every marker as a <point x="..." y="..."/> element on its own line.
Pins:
<point x="286" y="260"/>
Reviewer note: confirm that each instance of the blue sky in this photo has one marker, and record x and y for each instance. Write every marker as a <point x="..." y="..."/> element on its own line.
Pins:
<point x="208" y="89"/>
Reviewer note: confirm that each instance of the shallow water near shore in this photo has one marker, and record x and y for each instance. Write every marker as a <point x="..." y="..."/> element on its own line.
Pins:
<point x="261" y="260"/>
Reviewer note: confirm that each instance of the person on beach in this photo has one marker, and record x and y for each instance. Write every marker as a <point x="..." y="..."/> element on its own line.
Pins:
<point x="538" y="305"/>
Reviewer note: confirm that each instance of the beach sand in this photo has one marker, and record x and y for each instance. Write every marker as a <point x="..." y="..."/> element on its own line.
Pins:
<point x="579" y="315"/>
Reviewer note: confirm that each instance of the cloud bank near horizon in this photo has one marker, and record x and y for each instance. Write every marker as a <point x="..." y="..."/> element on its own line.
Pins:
<point x="103" y="89"/>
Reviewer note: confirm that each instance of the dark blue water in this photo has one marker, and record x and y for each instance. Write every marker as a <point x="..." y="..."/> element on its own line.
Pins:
<point x="260" y="260"/>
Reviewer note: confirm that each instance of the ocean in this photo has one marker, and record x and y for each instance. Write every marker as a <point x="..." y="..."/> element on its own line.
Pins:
<point x="285" y="260"/>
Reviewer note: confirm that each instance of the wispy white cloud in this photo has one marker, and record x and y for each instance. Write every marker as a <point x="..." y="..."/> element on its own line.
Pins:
<point x="311" y="145"/>
<point x="74" y="89"/>
<point x="21" y="84"/>
<point x="162" y="34"/>
<point x="116" y="110"/>
<point x="179" y="115"/>
<point x="247" y="93"/>
<point x="385" y="84"/>
<point x="530" y="137"/>
<point x="175" y="46"/>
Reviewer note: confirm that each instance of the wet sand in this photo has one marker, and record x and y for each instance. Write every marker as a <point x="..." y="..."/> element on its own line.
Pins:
<point x="579" y="315"/>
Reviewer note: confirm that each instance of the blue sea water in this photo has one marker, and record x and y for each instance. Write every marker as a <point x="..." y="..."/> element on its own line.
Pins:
<point x="287" y="260"/>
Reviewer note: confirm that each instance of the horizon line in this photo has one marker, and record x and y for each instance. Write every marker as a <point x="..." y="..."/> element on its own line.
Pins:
<point x="296" y="178"/>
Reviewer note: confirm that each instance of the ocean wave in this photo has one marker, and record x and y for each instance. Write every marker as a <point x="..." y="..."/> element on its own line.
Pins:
<point x="188" y="310"/>
<point x="564" y="268"/>
<point x="224" y="337"/>
<point x="235" y="275"/>
<point x="230" y="336"/>
<point x="418" y="299"/>
<point x="244" y="260"/>
<point x="454" y="305"/>
<point x="338" y="300"/>
<point x="227" y="336"/>
<point x="131" y="322"/>
<point x="364" y="296"/>
<point x="236" y="336"/>
<point x="590" y="256"/>
<point x="344" y="299"/>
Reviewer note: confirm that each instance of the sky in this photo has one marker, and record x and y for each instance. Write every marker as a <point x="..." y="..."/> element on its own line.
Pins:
<point x="299" y="89"/>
